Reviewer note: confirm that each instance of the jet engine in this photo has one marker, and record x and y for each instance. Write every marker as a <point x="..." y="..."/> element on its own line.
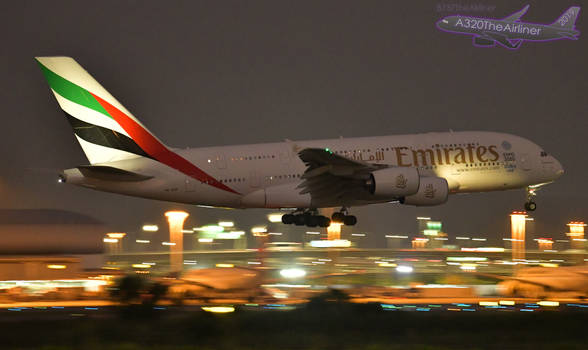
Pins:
<point x="393" y="182"/>
<point x="432" y="191"/>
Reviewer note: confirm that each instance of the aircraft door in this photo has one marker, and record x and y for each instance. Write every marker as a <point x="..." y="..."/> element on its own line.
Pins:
<point x="526" y="161"/>
<point x="253" y="179"/>
<point x="220" y="161"/>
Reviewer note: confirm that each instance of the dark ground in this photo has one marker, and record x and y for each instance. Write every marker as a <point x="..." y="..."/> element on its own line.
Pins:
<point x="316" y="326"/>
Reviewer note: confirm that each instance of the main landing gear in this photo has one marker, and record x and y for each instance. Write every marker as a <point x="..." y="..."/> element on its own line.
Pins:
<point x="310" y="218"/>
<point x="530" y="204"/>
<point x="344" y="218"/>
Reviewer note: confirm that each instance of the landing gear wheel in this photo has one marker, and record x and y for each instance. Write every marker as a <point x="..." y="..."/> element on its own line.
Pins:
<point x="530" y="206"/>
<point x="312" y="220"/>
<point x="299" y="220"/>
<point x="338" y="217"/>
<point x="349" y="220"/>
<point x="324" y="221"/>
<point x="288" y="219"/>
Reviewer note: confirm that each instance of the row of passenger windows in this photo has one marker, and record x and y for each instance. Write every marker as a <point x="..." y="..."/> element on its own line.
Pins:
<point x="274" y="177"/>
<point x="472" y="144"/>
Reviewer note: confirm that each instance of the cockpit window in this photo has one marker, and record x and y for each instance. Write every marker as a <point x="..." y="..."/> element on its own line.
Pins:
<point x="543" y="154"/>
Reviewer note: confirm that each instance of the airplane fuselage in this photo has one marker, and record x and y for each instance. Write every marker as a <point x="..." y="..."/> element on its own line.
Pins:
<point x="267" y="175"/>
<point x="510" y="30"/>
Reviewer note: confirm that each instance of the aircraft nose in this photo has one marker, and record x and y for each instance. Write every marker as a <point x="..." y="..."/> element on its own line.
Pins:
<point x="559" y="170"/>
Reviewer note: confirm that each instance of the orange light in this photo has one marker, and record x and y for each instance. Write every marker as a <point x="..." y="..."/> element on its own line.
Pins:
<point x="116" y="235"/>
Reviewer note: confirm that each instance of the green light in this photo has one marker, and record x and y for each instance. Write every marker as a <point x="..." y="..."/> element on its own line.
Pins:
<point x="434" y="225"/>
<point x="328" y="150"/>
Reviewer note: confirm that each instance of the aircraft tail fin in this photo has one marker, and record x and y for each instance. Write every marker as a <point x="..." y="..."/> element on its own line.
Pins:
<point x="105" y="129"/>
<point x="568" y="19"/>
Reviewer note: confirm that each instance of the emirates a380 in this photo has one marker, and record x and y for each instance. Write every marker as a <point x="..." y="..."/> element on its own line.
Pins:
<point x="299" y="176"/>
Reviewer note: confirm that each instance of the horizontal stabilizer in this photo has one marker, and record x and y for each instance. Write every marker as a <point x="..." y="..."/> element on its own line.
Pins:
<point x="108" y="173"/>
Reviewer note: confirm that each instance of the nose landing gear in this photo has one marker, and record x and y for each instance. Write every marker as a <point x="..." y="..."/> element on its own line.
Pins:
<point x="530" y="204"/>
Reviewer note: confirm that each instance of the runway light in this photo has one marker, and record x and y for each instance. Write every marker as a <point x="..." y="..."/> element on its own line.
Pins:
<point x="548" y="303"/>
<point x="404" y="269"/>
<point x="226" y="224"/>
<point x="292" y="273"/>
<point x="210" y="228"/>
<point x="141" y="266"/>
<point x="168" y="243"/>
<point x="259" y="231"/>
<point x="275" y="218"/>
<point x="110" y="240"/>
<point x="205" y="240"/>
<point x="423" y="218"/>
<point x="230" y="235"/>
<point x="219" y="309"/>
<point x="142" y="241"/>
<point x="358" y="234"/>
<point x="506" y="302"/>
<point x="190" y="262"/>
<point x="396" y="236"/>
<point x="462" y="238"/>
<point x="488" y="303"/>
<point x="56" y="267"/>
<point x="312" y="233"/>
<point x="225" y="265"/>
<point x="337" y="243"/>
<point x="117" y="235"/>
<point x="150" y="228"/>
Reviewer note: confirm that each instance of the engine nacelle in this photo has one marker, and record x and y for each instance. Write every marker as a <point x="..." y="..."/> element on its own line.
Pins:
<point x="393" y="182"/>
<point x="432" y="191"/>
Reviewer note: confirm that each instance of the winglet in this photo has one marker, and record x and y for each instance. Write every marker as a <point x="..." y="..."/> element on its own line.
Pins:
<point x="517" y="15"/>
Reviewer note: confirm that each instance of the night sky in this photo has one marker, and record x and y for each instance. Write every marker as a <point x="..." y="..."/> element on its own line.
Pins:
<point x="201" y="73"/>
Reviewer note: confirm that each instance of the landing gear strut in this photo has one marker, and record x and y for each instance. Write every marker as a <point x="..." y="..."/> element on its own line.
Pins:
<point x="530" y="204"/>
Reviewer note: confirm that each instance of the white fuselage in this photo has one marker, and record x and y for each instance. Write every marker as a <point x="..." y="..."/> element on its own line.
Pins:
<point x="469" y="161"/>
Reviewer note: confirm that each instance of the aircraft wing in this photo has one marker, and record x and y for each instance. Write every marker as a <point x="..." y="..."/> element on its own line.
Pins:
<point x="329" y="176"/>
<point x="501" y="39"/>
<point x="517" y="15"/>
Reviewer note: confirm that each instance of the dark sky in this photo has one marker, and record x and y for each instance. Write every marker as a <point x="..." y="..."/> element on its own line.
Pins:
<point x="200" y="73"/>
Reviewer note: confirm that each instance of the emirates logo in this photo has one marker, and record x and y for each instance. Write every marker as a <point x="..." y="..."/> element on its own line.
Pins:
<point x="430" y="191"/>
<point x="401" y="181"/>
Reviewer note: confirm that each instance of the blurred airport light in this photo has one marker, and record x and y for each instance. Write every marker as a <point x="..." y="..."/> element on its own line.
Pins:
<point x="142" y="241"/>
<point x="576" y="234"/>
<point x="517" y="225"/>
<point x="150" y="228"/>
<point x="277" y="217"/>
<point x="110" y="240"/>
<point x="117" y="235"/>
<point x="218" y="309"/>
<point x="210" y="228"/>
<point x="292" y="273"/>
<point x="205" y="240"/>
<point x="171" y="244"/>
<point x="404" y="269"/>
<point x="259" y="231"/>
<point x="548" y="303"/>
<point x="337" y="243"/>
<point x="56" y="267"/>
<point x="176" y="221"/>
<point x="226" y="224"/>
<point x="141" y="266"/>
<point x="222" y="265"/>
